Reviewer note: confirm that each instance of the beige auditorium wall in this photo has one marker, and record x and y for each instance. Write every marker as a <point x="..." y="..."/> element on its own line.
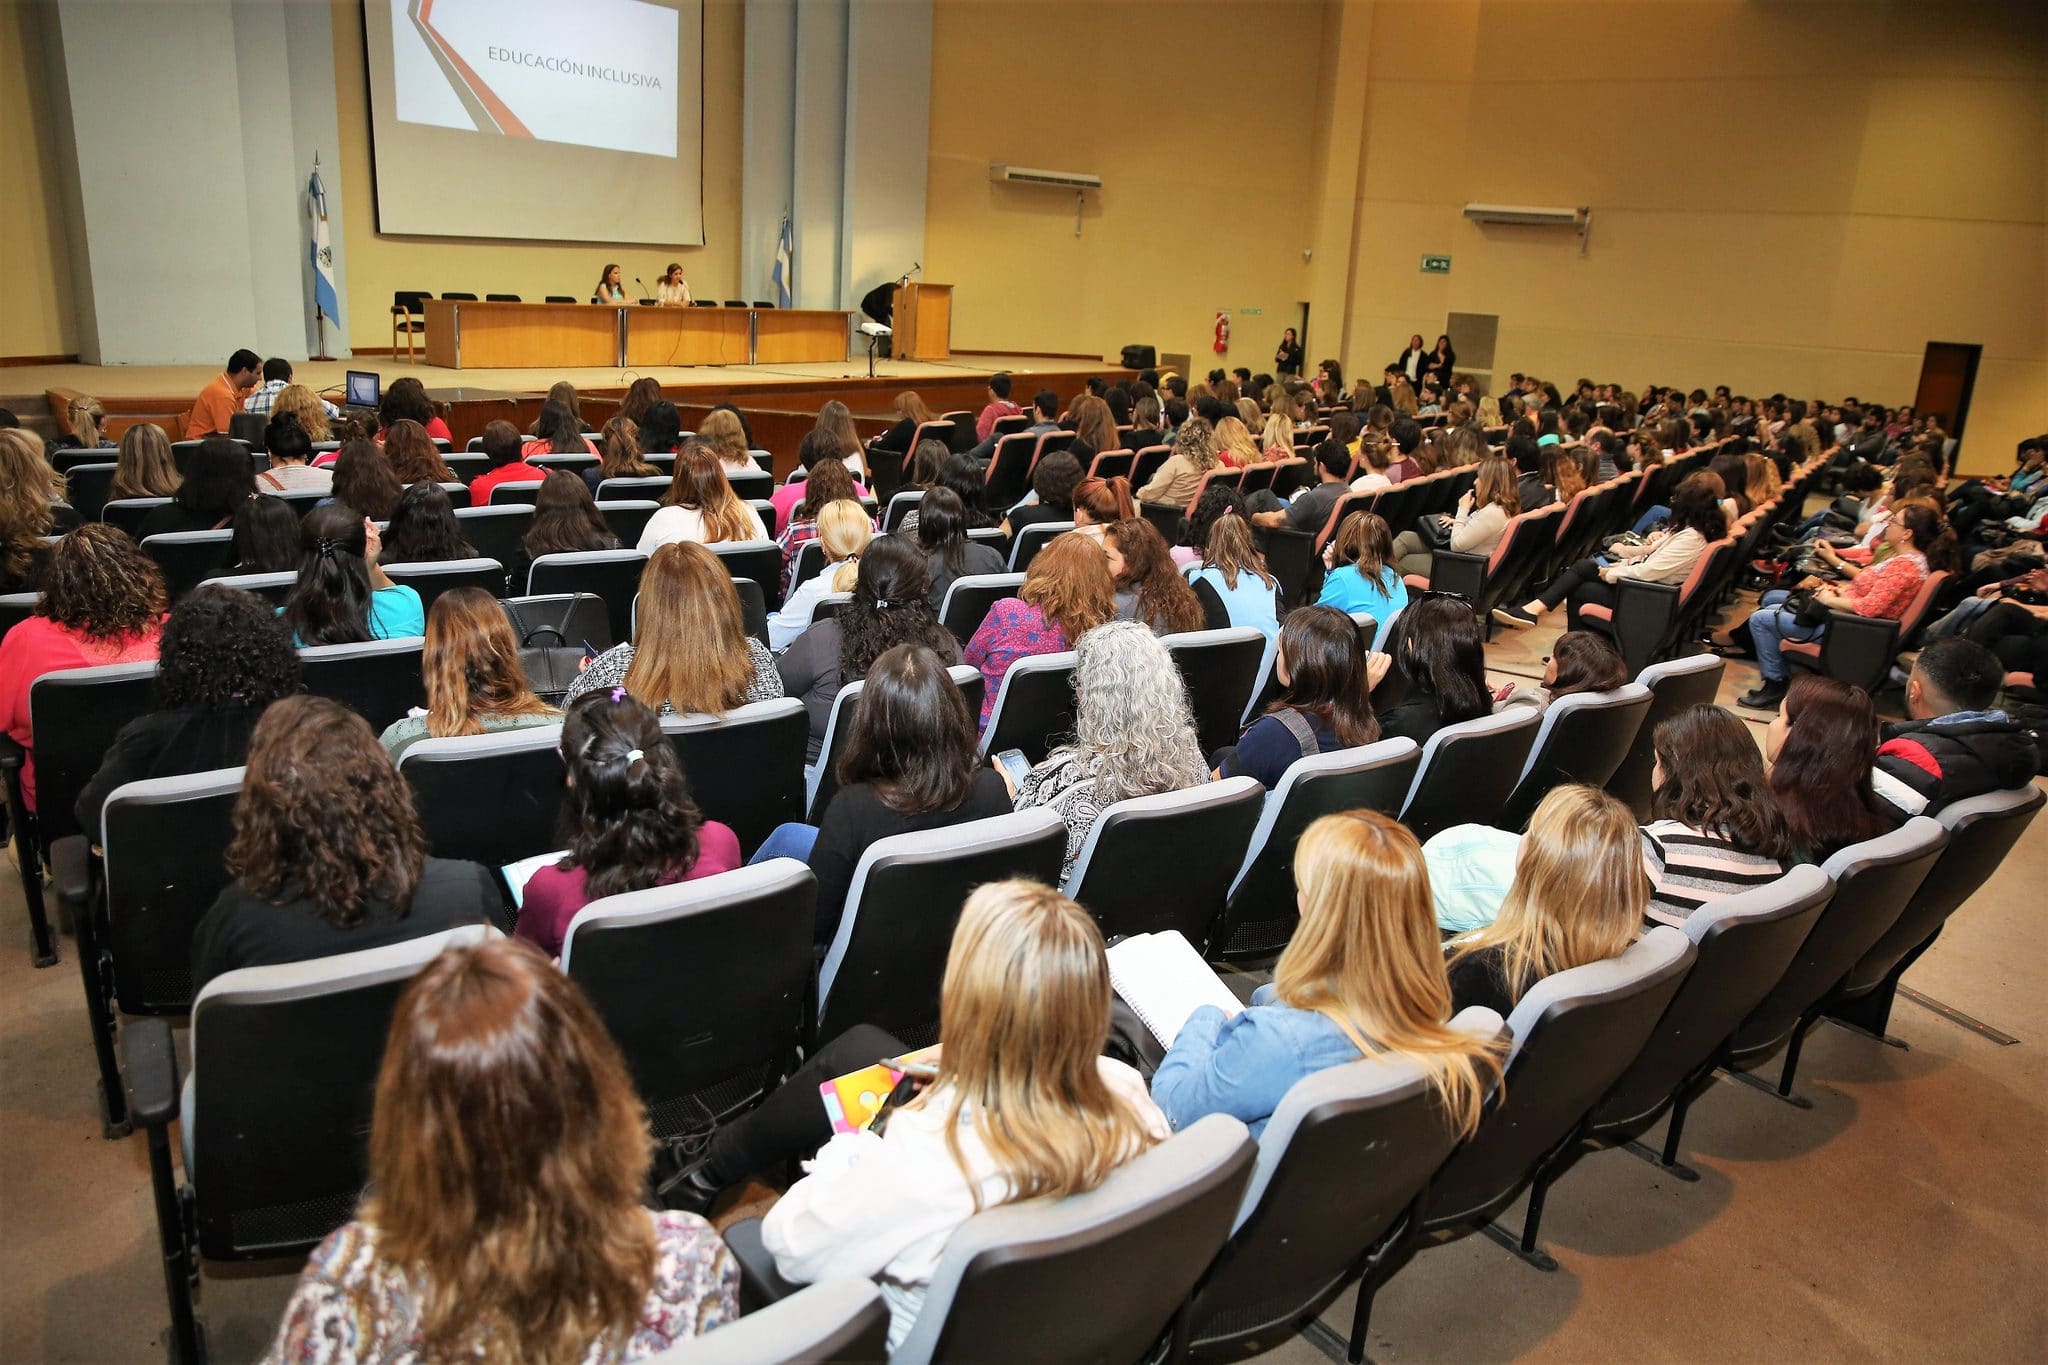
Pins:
<point x="1790" y="197"/>
<point x="1175" y="106"/>
<point x="379" y="265"/>
<point x="35" y="259"/>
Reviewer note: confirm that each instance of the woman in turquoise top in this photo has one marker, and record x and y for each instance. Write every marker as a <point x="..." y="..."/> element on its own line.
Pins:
<point x="610" y="289"/>
<point x="342" y="597"/>
<point x="1362" y="575"/>
<point x="1235" y="570"/>
<point x="1363" y="975"/>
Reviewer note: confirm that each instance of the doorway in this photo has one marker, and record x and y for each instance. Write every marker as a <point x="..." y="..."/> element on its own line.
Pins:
<point x="1947" y="375"/>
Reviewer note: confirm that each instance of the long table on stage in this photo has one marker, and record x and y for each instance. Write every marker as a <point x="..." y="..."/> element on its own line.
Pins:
<point x="467" y="334"/>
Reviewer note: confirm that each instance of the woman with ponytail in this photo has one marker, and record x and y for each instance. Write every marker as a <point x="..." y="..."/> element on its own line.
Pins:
<point x="1098" y="502"/>
<point x="342" y="597"/>
<point x="1363" y="976"/>
<point x="628" y="815"/>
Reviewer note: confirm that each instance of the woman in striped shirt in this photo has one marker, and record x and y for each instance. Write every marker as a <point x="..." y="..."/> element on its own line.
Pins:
<point x="1715" y="829"/>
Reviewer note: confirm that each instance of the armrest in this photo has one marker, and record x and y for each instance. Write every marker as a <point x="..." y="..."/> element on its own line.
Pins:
<point x="1858" y="649"/>
<point x="11" y="755"/>
<point x="150" y="1067"/>
<point x="1456" y="571"/>
<point x="760" y="1283"/>
<point x="71" y="868"/>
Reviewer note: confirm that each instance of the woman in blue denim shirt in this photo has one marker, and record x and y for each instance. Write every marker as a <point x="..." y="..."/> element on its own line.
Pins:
<point x="1363" y="975"/>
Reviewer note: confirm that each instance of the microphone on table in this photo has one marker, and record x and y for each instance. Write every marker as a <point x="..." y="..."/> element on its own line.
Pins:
<point x="643" y="285"/>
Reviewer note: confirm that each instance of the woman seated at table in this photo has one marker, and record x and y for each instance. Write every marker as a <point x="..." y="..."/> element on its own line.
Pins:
<point x="673" y="291"/>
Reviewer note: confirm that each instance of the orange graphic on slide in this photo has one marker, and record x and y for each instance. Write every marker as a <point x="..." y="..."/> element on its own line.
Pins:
<point x="477" y="97"/>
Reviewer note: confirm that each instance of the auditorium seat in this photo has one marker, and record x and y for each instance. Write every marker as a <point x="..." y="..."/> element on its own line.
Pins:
<point x="1572" y="1034"/>
<point x="759" y="560"/>
<point x="1154" y="863"/>
<point x="969" y="597"/>
<point x="16" y="607"/>
<point x="704" y="985"/>
<point x="643" y="486"/>
<point x="1034" y="707"/>
<point x="842" y="1319"/>
<point x="1859" y="650"/>
<point x="627" y="518"/>
<point x="378" y="679"/>
<point x="466" y="466"/>
<point x="1468" y="770"/>
<point x="745" y="769"/>
<point x="1220" y="669"/>
<point x="1584" y="737"/>
<point x="188" y="557"/>
<point x="431" y="578"/>
<point x="1261" y="912"/>
<point x="271" y="587"/>
<point x="752" y="484"/>
<point x="86" y="487"/>
<point x="493" y="798"/>
<point x="889" y="954"/>
<point x="1033" y="538"/>
<point x="497" y="532"/>
<point x="1007" y="477"/>
<point x="284" y="1069"/>
<point x="1488" y="580"/>
<point x="513" y="491"/>
<point x="1675" y="685"/>
<point x="810" y="562"/>
<point x="126" y="515"/>
<point x="572" y="462"/>
<point x="1311" y="1211"/>
<point x="611" y="575"/>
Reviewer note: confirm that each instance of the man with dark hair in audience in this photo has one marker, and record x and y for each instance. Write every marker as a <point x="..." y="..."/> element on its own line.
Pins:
<point x="1149" y="378"/>
<point x="1045" y="412"/>
<point x="503" y="447"/>
<point x="1309" y="509"/>
<point x="1175" y="413"/>
<point x="1957" y="744"/>
<point x="1243" y="376"/>
<point x="1212" y="409"/>
<point x="277" y="377"/>
<point x="1177" y="385"/>
<point x="1407" y="434"/>
<point x="291" y="459"/>
<point x="221" y="399"/>
<point x="999" y="405"/>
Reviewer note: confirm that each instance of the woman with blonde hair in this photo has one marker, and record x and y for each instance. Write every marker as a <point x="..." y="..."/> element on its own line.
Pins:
<point x="1764" y="480"/>
<point x="475" y="685"/>
<point x="296" y="400"/>
<point x="1235" y="447"/>
<point x="412" y="454"/>
<point x="1363" y="976"/>
<point x="721" y="430"/>
<point x="700" y="505"/>
<point x="911" y="413"/>
<point x="1278" y="437"/>
<point x="843" y="529"/>
<point x="828" y="483"/>
<point x="144" y="468"/>
<point x="1067" y="592"/>
<point x="29" y="493"/>
<point x="1194" y="454"/>
<point x="1250" y="413"/>
<point x="690" y="653"/>
<point x="1133" y="734"/>
<point x="508" y="1157"/>
<point x="85" y="415"/>
<point x="1024" y="1106"/>
<point x="1579" y="896"/>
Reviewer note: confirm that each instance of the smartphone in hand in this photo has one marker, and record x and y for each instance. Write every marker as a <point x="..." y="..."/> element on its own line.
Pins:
<point x="1013" y="765"/>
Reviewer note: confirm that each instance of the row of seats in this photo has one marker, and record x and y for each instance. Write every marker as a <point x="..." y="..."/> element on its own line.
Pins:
<point x="1237" y="1244"/>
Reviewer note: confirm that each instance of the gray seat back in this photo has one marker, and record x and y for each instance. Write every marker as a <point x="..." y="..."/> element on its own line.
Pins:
<point x="1675" y="685"/>
<point x="1583" y="738"/>
<point x="1468" y="770"/>
<point x="1153" y="863"/>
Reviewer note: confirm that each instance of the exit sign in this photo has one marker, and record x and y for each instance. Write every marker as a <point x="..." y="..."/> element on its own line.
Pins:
<point x="1436" y="265"/>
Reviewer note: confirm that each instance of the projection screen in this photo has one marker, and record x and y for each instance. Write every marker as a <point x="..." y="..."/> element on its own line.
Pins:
<point x="538" y="119"/>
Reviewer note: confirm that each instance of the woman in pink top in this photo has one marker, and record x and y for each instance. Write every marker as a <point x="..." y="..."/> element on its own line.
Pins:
<point x="1067" y="592"/>
<point x="103" y="603"/>
<point x="635" y="824"/>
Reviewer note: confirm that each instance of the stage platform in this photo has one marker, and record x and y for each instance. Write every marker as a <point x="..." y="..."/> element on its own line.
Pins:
<point x="780" y="400"/>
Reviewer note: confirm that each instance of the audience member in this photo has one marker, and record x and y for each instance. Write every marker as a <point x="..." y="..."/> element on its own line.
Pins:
<point x="998" y="405"/>
<point x="817" y="447"/>
<point x="630" y="820"/>
<point x="508" y="1162"/>
<point x="889" y="607"/>
<point x="102" y="602"/>
<point x="700" y="506"/>
<point x="1481" y="519"/>
<point x="1134" y="734"/>
<point x="1667" y="556"/>
<point x="85" y="414"/>
<point x="825" y="486"/>
<point x="1149" y="590"/>
<point x="1054" y="481"/>
<point x="291" y="470"/>
<point x="266" y="536"/>
<point x="1579" y="661"/>
<point x="1439" y="649"/>
<point x="277" y="377"/>
<point x="1099" y="502"/>
<point x="1362" y="976"/>
<point x="922" y="475"/>
<point x="218" y="480"/>
<point x="942" y="534"/>
<point x="1819" y="750"/>
<point x="222" y="397"/>
<point x="144" y="468"/>
<point x="1232" y="568"/>
<point x="909" y="765"/>
<point x="722" y="431"/>
<point x="414" y="457"/>
<point x="29" y="493"/>
<point x="1309" y="510"/>
<point x="503" y="447"/>
<point x="911" y="413"/>
<point x="565" y="521"/>
<point x="1956" y="743"/>
<point x="474" y="683"/>
<point x="1325" y="701"/>
<point x="363" y="480"/>
<point x="1362" y="577"/>
<point x="223" y="657"/>
<point x="1194" y="455"/>
<point x="843" y="533"/>
<point x="661" y="428"/>
<point x="328" y="856"/>
<point x="1066" y="593"/>
<point x="343" y="596"/>
<point x="835" y="419"/>
<point x="618" y="456"/>
<point x="423" y="529"/>
<point x="558" y="432"/>
<point x="1578" y="896"/>
<point x="690" y="650"/>
<point x="1714" y="828"/>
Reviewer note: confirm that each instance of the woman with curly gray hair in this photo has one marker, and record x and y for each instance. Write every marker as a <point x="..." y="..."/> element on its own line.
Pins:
<point x="1133" y="733"/>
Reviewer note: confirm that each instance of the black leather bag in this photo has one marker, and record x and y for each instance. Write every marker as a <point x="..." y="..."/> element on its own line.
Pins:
<point x="1140" y="357"/>
<point x="555" y="640"/>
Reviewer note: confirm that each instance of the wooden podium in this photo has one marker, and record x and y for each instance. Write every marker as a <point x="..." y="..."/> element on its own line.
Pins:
<point x="923" y="321"/>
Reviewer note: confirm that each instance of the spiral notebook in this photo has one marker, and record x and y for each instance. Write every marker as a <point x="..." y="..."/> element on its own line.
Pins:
<point x="1164" y="980"/>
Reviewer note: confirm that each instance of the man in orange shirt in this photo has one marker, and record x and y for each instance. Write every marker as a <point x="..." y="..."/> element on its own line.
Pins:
<point x="222" y="398"/>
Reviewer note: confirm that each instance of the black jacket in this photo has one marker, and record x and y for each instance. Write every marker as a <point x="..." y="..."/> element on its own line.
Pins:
<point x="1952" y="758"/>
<point x="167" y="744"/>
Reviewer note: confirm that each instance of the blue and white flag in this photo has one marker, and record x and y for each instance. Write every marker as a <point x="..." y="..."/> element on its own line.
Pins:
<point x="323" y="250"/>
<point x="785" y="265"/>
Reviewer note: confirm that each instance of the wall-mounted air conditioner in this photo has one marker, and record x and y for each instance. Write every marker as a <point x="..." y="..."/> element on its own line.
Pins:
<point x="1059" y="180"/>
<point x="1524" y="215"/>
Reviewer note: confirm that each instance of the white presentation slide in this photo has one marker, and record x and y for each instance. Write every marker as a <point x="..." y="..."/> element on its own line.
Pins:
<point x="592" y="73"/>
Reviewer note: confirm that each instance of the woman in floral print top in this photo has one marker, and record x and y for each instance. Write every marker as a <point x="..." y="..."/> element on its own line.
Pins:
<point x="507" y="1157"/>
<point x="1067" y="592"/>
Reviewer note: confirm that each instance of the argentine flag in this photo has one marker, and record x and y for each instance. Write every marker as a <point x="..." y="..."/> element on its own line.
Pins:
<point x="785" y="265"/>
<point x="323" y="250"/>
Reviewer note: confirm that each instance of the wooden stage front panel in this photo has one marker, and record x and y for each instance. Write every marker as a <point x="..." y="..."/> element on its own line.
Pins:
<point x="686" y="336"/>
<point x="462" y="335"/>
<point x="788" y="336"/>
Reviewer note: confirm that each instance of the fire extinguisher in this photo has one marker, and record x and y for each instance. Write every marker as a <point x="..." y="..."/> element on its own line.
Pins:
<point x="1222" y="331"/>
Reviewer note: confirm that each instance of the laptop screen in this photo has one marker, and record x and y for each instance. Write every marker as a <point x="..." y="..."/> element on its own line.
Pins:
<point x="363" y="389"/>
